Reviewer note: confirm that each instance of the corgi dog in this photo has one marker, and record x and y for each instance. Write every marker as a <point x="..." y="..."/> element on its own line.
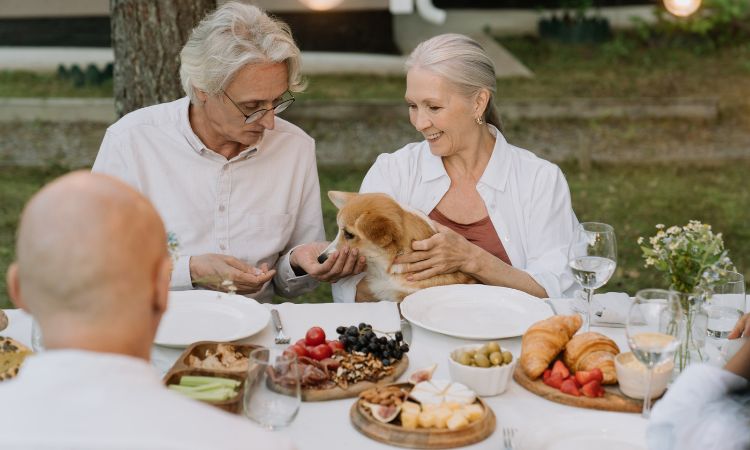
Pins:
<point x="381" y="230"/>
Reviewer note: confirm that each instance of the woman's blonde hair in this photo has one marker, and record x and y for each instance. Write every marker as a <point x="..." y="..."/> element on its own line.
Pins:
<point x="228" y="39"/>
<point x="463" y="62"/>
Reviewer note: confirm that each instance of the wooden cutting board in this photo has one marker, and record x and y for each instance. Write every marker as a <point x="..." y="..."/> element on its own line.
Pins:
<point x="613" y="399"/>
<point x="353" y="390"/>
<point x="394" y="434"/>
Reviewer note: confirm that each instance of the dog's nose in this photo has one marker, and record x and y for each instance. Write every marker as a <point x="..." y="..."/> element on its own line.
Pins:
<point x="322" y="258"/>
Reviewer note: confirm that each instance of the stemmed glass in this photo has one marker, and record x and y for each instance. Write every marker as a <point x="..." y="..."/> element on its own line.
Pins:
<point x="653" y="331"/>
<point x="272" y="389"/>
<point x="592" y="257"/>
<point x="725" y="306"/>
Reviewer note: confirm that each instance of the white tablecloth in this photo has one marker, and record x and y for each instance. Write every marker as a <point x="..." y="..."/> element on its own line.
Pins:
<point x="325" y="425"/>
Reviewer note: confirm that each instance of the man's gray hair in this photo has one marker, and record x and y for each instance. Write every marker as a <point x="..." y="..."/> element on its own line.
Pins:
<point x="231" y="37"/>
<point x="463" y="62"/>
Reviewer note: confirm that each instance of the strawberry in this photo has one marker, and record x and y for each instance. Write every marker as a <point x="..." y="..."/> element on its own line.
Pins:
<point x="583" y="377"/>
<point x="569" y="387"/>
<point x="559" y="367"/>
<point x="597" y="373"/>
<point x="575" y="380"/>
<point x="546" y="374"/>
<point x="554" y="379"/>
<point x="593" y="389"/>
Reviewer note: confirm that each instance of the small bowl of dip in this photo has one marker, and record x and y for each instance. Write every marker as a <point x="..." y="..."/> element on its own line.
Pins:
<point x="632" y="376"/>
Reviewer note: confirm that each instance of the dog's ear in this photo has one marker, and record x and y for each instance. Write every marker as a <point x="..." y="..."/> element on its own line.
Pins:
<point x="378" y="228"/>
<point x="340" y="198"/>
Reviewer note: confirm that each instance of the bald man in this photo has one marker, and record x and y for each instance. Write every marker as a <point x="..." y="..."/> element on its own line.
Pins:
<point x="92" y="267"/>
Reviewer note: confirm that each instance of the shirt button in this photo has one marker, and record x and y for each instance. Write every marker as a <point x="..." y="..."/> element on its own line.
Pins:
<point x="221" y="208"/>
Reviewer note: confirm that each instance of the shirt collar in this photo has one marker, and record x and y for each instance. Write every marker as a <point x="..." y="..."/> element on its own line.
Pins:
<point x="197" y="144"/>
<point x="495" y="174"/>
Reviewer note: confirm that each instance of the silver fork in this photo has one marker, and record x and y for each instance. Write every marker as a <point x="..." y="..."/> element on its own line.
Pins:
<point x="508" y="434"/>
<point x="280" y="338"/>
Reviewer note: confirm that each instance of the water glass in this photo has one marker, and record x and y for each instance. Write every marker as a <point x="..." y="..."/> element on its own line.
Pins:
<point x="37" y="341"/>
<point x="592" y="258"/>
<point x="272" y="389"/>
<point x="653" y="331"/>
<point x="725" y="306"/>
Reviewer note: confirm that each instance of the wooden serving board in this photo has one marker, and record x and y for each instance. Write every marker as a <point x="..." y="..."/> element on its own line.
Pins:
<point x="353" y="390"/>
<point x="613" y="400"/>
<point x="394" y="434"/>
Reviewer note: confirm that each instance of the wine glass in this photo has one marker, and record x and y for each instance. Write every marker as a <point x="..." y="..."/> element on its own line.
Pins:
<point x="592" y="256"/>
<point x="653" y="331"/>
<point x="272" y="388"/>
<point x="725" y="306"/>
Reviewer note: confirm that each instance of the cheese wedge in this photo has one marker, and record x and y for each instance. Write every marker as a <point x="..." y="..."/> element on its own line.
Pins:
<point x="442" y="391"/>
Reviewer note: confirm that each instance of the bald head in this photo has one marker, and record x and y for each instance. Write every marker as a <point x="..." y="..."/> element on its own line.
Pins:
<point x="90" y="249"/>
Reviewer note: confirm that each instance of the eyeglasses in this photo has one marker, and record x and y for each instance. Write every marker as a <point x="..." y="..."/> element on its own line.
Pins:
<point x="286" y="100"/>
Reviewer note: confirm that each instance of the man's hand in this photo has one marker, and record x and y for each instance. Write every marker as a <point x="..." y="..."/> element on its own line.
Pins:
<point x="214" y="271"/>
<point x="444" y="252"/>
<point x="742" y="328"/>
<point x="339" y="264"/>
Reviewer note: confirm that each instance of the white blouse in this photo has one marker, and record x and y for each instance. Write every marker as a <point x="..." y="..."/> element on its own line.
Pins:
<point x="527" y="198"/>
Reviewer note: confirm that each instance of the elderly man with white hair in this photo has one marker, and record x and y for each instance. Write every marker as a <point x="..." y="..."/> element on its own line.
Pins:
<point x="237" y="186"/>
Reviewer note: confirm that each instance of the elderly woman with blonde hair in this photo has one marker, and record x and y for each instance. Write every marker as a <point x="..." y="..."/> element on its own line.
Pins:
<point x="503" y="215"/>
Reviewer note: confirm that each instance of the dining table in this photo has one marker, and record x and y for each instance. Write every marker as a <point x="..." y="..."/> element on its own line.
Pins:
<point x="326" y="425"/>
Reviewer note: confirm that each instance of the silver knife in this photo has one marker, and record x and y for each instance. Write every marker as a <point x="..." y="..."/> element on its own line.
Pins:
<point x="406" y="331"/>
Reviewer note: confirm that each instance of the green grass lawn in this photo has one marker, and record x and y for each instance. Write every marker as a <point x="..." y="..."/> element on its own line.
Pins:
<point x="631" y="198"/>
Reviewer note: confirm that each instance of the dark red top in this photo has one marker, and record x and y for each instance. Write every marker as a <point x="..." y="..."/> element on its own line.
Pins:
<point x="480" y="233"/>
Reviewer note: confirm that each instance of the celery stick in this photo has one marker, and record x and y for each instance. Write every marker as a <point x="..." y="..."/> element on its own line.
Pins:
<point x="216" y="395"/>
<point x="194" y="380"/>
<point x="203" y="387"/>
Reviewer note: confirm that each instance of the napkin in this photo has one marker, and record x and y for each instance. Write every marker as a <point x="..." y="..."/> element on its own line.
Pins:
<point x="297" y="318"/>
<point x="607" y="310"/>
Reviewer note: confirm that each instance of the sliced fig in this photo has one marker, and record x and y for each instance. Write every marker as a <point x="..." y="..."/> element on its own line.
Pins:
<point x="383" y="413"/>
<point x="422" y="374"/>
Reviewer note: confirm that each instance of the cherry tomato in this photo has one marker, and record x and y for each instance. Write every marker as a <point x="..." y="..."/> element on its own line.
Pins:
<point x="301" y="342"/>
<point x="321" y="352"/>
<point x="300" y="350"/>
<point x="315" y="336"/>
<point x="335" y="345"/>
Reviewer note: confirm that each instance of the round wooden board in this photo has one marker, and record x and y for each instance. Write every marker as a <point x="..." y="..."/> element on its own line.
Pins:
<point x="353" y="390"/>
<point x="421" y="437"/>
<point x="613" y="399"/>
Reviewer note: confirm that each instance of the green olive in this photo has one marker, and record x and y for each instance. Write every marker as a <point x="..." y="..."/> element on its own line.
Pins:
<point x="483" y="350"/>
<point x="481" y="360"/>
<point x="496" y="358"/>
<point x="493" y="347"/>
<point x="465" y="358"/>
<point x="507" y="357"/>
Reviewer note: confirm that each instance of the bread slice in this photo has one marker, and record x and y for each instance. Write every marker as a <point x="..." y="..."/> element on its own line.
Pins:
<point x="12" y="354"/>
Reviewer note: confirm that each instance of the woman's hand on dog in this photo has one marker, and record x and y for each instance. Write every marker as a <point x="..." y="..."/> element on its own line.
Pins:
<point x="341" y="263"/>
<point x="444" y="252"/>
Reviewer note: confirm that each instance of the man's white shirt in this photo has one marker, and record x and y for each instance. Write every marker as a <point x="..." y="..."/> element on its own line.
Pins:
<point x="74" y="399"/>
<point x="256" y="207"/>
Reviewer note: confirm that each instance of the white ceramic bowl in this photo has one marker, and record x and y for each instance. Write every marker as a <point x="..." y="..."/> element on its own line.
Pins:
<point x="632" y="376"/>
<point x="485" y="381"/>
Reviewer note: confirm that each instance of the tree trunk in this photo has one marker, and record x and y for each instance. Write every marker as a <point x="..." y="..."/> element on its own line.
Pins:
<point x="147" y="37"/>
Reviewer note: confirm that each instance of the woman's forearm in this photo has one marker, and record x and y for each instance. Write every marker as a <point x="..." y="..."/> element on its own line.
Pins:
<point x="491" y="270"/>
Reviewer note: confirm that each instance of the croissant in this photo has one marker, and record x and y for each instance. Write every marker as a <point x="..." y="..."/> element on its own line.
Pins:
<point x="544" y="340"/>
<point x="590" y="350"/>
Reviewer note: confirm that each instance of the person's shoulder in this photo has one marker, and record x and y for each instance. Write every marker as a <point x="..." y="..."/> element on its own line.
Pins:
<point x="286" y="129"/>
<point x="530" y="161"/>
<point x="406" y="156"/>
<point x="154" y="116"/>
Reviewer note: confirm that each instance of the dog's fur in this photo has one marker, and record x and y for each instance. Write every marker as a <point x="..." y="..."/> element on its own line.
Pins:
<point x="381" y="230"/>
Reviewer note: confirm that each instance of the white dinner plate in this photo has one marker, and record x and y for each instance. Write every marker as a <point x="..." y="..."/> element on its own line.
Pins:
<point x="474" y="311"/>
<point x="209" y="316"/>
<point x="596" y="433"/>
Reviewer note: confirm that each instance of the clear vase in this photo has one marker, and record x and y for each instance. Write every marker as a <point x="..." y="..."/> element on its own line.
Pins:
<point x="693" y="331"/>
